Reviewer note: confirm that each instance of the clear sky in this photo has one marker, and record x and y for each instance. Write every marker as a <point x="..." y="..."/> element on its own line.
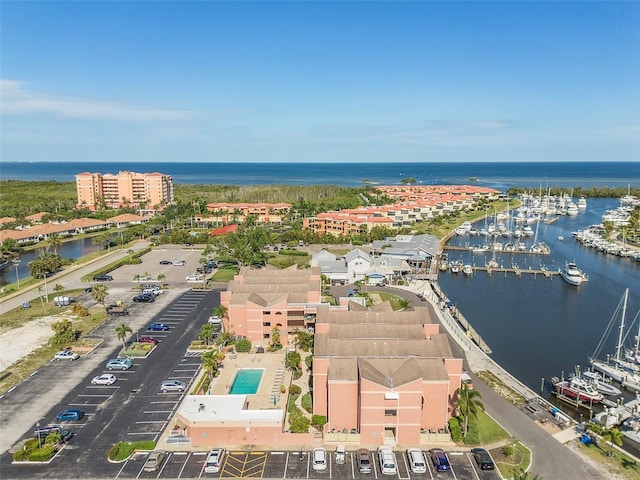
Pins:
<point x="320" y="81"/>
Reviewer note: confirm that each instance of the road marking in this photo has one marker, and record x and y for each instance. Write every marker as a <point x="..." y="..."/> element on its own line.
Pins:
<point x="95" y="395"/>
<point x="165" y="401"/>
<point x="34" y="373"/>
<point x="158" y="411"/>
<point x="152" y="421"/>
<point x="142" y="433"/>
<point x="86" y="405"/>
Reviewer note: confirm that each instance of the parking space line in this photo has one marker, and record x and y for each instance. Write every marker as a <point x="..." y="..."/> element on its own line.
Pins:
<point x="158" y="411"/>
<point x="164" y="401"/>
<point x="86" y="405"/>
<point x="142" y="433"/>
<point x="151" y="421"/>
<point x="94" y="395"/>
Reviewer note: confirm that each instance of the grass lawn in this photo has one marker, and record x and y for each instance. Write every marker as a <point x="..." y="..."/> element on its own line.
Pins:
<point x="619" y="464"/>
<point x="284" y="261"/>
<point x="508" y="466"/>
<point x="225" y="273"/>
<point x="490" y="431"/>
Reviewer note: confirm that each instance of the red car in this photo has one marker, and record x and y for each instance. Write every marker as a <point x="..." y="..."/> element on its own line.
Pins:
<point x="148" y="340"/>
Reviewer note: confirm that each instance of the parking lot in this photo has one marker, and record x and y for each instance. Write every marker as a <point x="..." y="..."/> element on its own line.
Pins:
<point x="297" y="465"/>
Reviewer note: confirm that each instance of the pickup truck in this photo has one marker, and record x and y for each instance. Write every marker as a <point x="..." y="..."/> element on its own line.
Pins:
<point x="117" y="310"/>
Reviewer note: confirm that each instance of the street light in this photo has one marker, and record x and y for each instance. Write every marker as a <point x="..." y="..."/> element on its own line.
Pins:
<point x="16" y="263"/>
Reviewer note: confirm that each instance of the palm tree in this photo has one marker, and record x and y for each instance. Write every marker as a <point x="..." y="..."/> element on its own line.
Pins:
<point x="612" y="435"/>
<point x="210" y="363"/>
<point x="220" y="311"/>
<point x="58" y="289"/>
<point x="161" y="277"/>
<point x="468" y="403"/>
<point x="206" y="332"/>
<point x="122" y="331"/>
<point x="100" y="293"/>
<point x="523" y="475"/>
<point x="292" y="361"/>
<point x="53" y="241"/>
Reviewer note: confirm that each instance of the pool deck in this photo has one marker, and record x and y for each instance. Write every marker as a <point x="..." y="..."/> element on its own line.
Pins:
<point x="273" y="377"/>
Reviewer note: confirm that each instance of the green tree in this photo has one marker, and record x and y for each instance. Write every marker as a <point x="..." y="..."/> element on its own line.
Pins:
<point x="79" y="310"/>
<point x="64" y="333"/>
<point x="211" y="363"/>
<point x="100" y="293"/>
<point x="468" y="404"/>
<point x="292" y="361"/>
<point x="161" y="277"/>
<point x="613" y="436"/>
<point x="53" y="438"/>
<point x="122" y="331"/>
<point x="220" y="311"/>
<point x="304" y="339"/>
<point x="58" y="289"/>
<point x="53" y="241"/>
<point x="225" y="338"/>
<point x="275" y="339"/>
<point x="206" y="332"/>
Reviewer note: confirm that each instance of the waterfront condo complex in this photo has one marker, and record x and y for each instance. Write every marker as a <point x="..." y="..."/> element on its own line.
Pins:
<point x="147" y="191"/>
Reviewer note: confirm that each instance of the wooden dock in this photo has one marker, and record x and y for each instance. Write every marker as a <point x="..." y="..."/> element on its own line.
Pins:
<point x="518" y="271"/>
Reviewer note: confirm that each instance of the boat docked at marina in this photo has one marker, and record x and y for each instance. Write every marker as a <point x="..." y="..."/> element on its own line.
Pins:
<point x="601" y="384"/>
<point x="578" y="389"/>
<point x="572" y="274"/>
<point x="467" y="269"/>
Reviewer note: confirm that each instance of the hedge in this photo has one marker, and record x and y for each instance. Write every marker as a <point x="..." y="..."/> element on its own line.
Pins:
<point x="123" y="450"/>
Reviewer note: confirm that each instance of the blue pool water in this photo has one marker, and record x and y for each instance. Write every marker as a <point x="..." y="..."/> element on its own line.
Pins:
<point x="246" y="382"/>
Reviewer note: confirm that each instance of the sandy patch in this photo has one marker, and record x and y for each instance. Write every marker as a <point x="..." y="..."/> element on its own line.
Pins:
<point x="20" y="342"/>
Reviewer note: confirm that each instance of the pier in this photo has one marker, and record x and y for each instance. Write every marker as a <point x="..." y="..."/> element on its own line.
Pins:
<point x="517" y="270"/>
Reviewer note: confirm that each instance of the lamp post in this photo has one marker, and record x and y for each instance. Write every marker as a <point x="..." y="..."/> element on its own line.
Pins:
<point x="16" y="263"/>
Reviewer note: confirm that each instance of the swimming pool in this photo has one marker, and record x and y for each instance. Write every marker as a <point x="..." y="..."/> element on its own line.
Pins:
<point x="246" y="382"/>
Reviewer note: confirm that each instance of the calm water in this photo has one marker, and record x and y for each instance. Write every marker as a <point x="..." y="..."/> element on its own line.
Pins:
<point x="71" y="249"/>
<point x="496" y="175"/>
<point x="539" y="327"/>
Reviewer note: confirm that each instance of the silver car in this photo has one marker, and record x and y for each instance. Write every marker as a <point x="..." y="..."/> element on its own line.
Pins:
<point x="173" y="386"/>
<point x="154" y="460"/>
<point x="104" y="379"/>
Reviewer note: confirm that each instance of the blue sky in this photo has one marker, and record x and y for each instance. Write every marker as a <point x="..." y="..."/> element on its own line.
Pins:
<point x="319" y="81"/>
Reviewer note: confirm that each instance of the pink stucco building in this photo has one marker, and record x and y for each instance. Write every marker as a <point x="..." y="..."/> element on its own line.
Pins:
<point x="257" y="300"/>
<point x="389" y="376"/>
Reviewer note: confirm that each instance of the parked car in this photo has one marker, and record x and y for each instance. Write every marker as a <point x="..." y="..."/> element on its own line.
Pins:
<point x="66" y="355"/>
<point x="483" y="459"/>
<point x="173" y="386"/>
<point x="103" y="277"/>
<point x="387" y="460"/>
<point x="363" y="459"/>
<point x="70" y="414"/>
<point x="319" y="459"/>
<point x="439" y="459"/>
<point x="88" y="289"/>
<point x="215" y="319"/>
<point x="152" y="291"/>
<point x="43" y="432"/>
<point x="416" y="460"/>
<point x="158" y="327"/>
<point x="148" y="340"/>
<point x="214" y="460"/>
<point x="124" y="363"/>
<point x="179" y="263"/>
<point x="165" y="262"/>
<point x="104" y="379"/>
<point x="153" y="461"/>
<point x="144" y="298"/>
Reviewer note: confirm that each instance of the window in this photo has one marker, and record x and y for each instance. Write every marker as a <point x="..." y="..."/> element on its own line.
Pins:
<point x="390" y="413"/>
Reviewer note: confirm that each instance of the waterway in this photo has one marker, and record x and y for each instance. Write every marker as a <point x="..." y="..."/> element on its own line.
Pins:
<point x="69" y="249"/>
<point x="539" y="327"/>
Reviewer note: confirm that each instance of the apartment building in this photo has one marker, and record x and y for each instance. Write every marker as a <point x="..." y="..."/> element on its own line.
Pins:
<point x="225" y="213"/>
<point x="148" y="191"/>
<point x="383" y="377"/>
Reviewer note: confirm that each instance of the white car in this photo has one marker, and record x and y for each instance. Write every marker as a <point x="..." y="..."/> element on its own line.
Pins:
<point x="66" y="355"/>
<point x="319" y="459"/>
<point x="214" y="460"/>
<point x="104" y="379"/>
<point x="215" y="319"/>
<point x="179" y="263"/>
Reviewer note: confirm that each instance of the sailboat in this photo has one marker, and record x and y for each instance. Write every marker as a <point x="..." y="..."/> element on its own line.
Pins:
<point x="617" y="368"/>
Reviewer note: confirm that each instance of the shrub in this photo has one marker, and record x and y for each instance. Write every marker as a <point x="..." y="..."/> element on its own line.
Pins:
<point x="307" y="403"/>
<point x="42" y="454"/>
<point x="308" y="361"/>
<point x="473" y="435"/>
<point x="243" y="345"/>
<point x="509" y="450"/>
<point x="20" y="455"/>
<point x="456" y="431"/>
<point x="295" y="390"/>
<point x="123" y="450"/>
<point x="299" y="422"/>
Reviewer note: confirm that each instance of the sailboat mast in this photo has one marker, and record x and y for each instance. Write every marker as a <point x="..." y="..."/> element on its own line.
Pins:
<point x="624" y="311"/>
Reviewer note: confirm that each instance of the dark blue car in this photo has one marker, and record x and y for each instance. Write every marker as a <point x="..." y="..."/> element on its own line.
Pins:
<point x="158" y="327"/>
<point x="70" y="414"/>
<point x="439" y="459"/>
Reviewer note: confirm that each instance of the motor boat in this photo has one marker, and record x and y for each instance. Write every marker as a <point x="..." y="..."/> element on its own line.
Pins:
<point x="572" y="274"/>
<point x="600" y="383"/>
<point x="579" y="389"/>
